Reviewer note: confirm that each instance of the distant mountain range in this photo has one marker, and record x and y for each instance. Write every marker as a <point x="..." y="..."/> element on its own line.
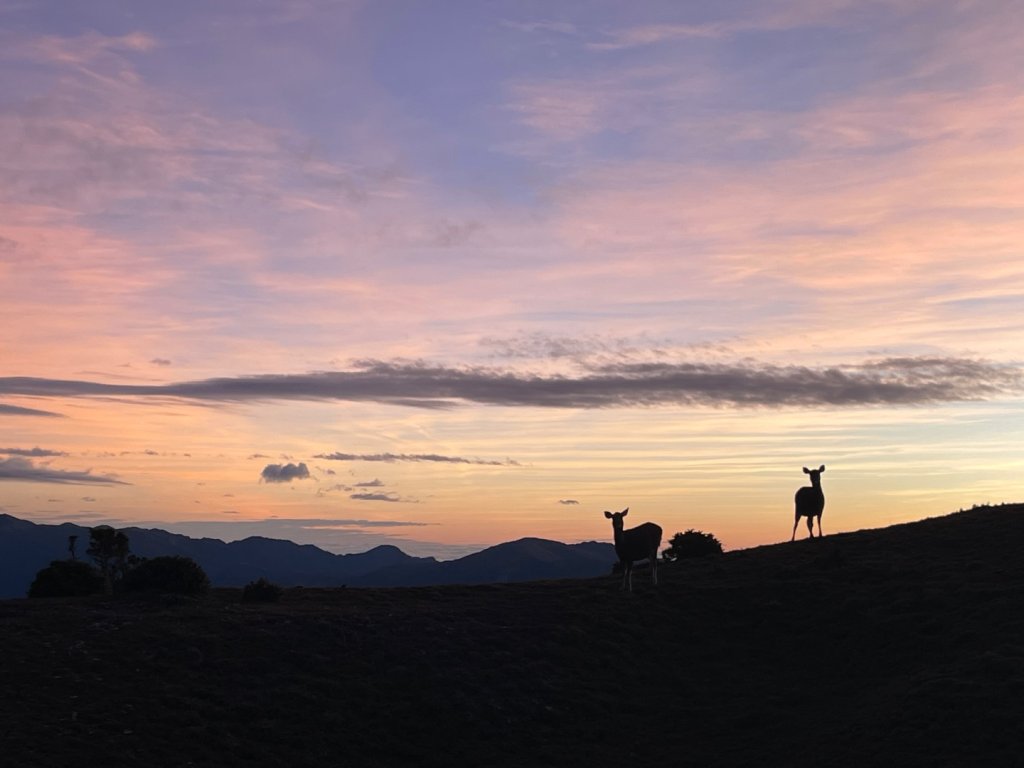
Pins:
<point x="26" y="547"/>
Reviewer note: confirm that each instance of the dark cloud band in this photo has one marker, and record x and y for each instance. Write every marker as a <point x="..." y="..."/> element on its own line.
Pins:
<point x="17" y="410"/>
<point x="893" y="381"/>
<point x="33" y="452"/>
<point x="17" y="468"/>
<point x="391" y="497"/>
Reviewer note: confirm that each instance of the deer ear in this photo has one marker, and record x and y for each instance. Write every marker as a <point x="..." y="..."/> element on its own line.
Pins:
<point x="807" y="471"/>
<point x="608" y="514"/>
<point x="822" y="468"/>
<point x="625" y="511"/>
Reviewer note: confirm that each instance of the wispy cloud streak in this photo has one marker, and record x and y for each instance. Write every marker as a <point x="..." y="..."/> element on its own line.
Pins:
<point x="413" y="457"/>
<point x="17" y="468"/>
<point x="390" y="497"/>
<point x="36" y="452"/>
<point x="17" y="410"/>
<point x="891" y="381"/>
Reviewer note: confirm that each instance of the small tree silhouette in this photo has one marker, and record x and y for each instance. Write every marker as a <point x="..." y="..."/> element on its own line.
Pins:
<point x="692" y="544"/>
<point x="109" y="548"/>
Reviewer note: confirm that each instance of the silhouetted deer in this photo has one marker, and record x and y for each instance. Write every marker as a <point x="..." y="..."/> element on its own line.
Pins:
<point x="810" y="501"/>
<point x="640" y="543"/>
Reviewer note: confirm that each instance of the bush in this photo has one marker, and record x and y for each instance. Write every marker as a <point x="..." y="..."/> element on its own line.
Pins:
<point x="261" y="591"/>
<point x="692" y="544"/>
<point x="66" y="578"/>
<point x="169" y="573"/>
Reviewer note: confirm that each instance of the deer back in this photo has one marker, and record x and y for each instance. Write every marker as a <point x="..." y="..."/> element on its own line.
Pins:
<point x="810" y="500"/>
<point x="638" y="543"/>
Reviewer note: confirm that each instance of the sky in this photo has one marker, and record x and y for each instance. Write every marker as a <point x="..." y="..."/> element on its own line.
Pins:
<point x="447" y="274"/>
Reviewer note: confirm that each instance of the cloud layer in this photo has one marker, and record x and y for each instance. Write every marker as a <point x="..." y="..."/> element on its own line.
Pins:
<point x="891" y="381"/>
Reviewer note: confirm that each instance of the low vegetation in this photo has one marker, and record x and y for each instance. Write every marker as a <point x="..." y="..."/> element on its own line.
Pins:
<point x="167" y="574"/>
<point x="116" y="570"/>
<point x="261" y="591"/>
<point x="692" y="543"/>
<point x="66" y="578"/>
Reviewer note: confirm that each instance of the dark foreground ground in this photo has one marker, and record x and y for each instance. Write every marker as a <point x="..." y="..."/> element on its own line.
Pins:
<point x="903" y="646"/>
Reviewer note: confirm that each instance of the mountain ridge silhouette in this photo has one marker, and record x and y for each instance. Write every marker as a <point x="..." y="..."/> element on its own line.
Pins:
<point x="26" y="547"/>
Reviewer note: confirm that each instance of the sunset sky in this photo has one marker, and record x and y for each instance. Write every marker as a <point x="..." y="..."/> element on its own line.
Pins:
<point x="445" y="274"/>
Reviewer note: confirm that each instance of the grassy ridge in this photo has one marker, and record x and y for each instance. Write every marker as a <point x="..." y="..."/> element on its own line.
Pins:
<point x="899" y="645"/>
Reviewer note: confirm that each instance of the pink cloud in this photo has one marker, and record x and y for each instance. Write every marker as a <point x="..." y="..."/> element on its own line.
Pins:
<point x="562" y="111"/>
<point x="81" y="50"/>
<point x="632" y="37"/>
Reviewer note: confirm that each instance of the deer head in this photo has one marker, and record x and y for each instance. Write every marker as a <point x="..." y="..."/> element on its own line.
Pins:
<point x="616" y="518"/>
<point x="815" y="474"/>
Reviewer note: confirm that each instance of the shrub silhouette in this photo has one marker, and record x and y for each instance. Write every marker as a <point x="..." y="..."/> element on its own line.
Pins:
<point x="692" y="544"/>
<point x="261" y="591"/>
<point x="66" y="578"/>
<point x="168" y="573"/>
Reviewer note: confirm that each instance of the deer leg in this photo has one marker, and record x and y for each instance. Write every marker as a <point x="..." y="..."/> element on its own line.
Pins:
<point x="810" y="525"/>
<point x="795" y="524"/>
<point x="820" y="534"/>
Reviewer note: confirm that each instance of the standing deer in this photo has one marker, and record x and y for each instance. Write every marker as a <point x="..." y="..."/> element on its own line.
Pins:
<point x="810" y="501"/>
<point x="640" y="543"/>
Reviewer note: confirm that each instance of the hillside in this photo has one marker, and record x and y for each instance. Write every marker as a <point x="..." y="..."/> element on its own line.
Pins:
<point x="26" y="547"/>
<point x="900" y="646"/>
